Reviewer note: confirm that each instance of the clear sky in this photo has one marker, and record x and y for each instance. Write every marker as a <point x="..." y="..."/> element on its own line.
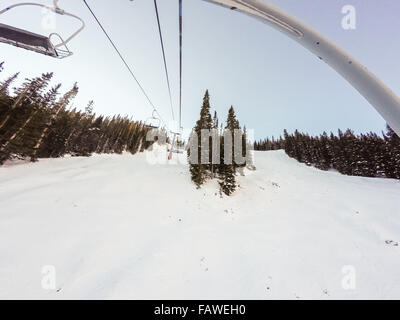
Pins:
<point x="272" y="82"/>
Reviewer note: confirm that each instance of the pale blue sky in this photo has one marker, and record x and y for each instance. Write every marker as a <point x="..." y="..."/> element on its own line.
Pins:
<point x="272" y="82"/>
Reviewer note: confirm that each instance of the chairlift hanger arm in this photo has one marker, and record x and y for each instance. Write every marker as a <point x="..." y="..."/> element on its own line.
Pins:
<point x="55" y="7"/>
<point x="24" y="4"/>
<point x="75" y="33"/>
<point x="364" y="81"/>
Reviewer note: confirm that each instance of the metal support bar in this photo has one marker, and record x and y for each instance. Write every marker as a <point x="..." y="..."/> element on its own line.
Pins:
<point x="364" y="81"/>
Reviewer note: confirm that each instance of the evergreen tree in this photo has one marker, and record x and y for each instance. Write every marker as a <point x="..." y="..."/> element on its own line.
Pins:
<point x="198" y="170"/>
<point x="227" y="169"/>
<point x="4" y="86"/>
<point x="205" y="121"/>
<point x="232" y="124"/>
<point x="29" y="93"/>
<point x="226" y="172"/>
<point x="24" y="118"/>
<point x="227" y="178"/>
<point x="215" y="121"/>
<point x="197" y="173"/>
<point x="214" y="126"/>
<point x="54" y="112"/>
<point x="89" y="107"/>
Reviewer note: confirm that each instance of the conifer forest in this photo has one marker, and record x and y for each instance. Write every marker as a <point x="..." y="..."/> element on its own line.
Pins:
<point x="367" y="155"/>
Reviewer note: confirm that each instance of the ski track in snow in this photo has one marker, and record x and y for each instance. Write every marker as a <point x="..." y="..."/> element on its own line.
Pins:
<point x="115" y="226"/>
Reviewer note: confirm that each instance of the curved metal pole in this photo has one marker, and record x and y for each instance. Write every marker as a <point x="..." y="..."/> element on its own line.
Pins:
<point x="24" y="4"/>
<point x="55" y="9"/>
<point x="75" y="33"/>
<point x="364" y="81"/>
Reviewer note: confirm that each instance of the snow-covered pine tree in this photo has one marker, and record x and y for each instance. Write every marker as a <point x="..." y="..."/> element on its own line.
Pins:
<point x="55" y="109"/>
<point x="4" y="86"/>
<point x="232" y="124"/>
<point x="227" y="170"/>
<point x="198" y="170"/>
<point x="215" y="122"/>
<point x="392" y="148"/>
<point x="227" y="179"/>
<point x="24" y="107"/>
<point x="226" y="173"/>
<point x="17" y="123"/>
<point x="214" y="126"/>
<point x="197" y="174"/>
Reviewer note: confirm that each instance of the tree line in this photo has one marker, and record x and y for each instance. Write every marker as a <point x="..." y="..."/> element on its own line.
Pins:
<point x="216" y="165"/>
<point x="37" y="122"/>
<point x="368" y="155"/>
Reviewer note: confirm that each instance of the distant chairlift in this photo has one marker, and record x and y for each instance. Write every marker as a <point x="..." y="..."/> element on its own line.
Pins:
<point x="36" y="42"/>
<point x="153" y="122"/>
<point x="175" y="145"/>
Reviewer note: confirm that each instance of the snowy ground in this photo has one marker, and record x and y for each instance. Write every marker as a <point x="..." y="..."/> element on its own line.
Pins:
<point x="118" y="227"/>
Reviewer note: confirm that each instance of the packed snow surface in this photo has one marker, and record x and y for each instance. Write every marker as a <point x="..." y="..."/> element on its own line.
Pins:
<point x="118" y="226"/>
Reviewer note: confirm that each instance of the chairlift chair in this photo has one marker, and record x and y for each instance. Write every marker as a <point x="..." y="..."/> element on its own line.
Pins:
<point x="175" y="143"/>
<point x="153" y="122"/>
<point x="36" y="42"/>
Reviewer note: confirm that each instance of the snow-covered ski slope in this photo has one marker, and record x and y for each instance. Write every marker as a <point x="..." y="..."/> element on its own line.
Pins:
<point x="118" y="227"/>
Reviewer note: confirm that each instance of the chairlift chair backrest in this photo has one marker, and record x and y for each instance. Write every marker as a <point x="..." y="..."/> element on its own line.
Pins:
<point x="36" y="42"/>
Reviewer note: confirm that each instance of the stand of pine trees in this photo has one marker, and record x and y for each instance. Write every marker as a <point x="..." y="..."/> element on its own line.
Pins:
<point x="367" y="155"/>
<point x="36" y="123"/>
<point x="225" y="172"/>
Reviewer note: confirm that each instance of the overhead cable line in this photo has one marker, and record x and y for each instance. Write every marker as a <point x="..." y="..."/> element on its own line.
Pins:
<point x="124" y="61"/>
<point x="164" y="58"/>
